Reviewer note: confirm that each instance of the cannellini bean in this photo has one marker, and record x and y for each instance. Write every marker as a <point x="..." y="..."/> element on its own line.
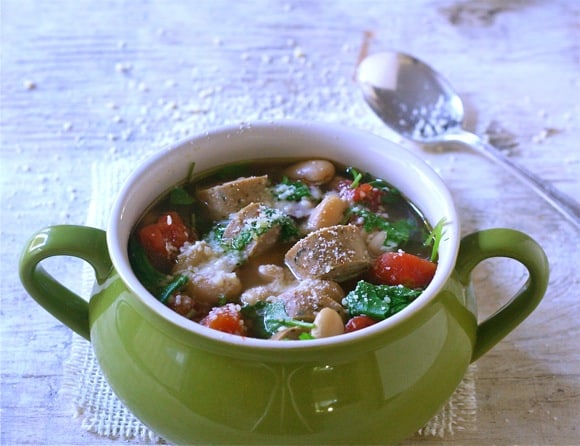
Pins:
<point x="270" y="272"/>
<point x="328" y="212"/>
<point x="305" y="300"/>
<point x="375" y="243"/>
<point x="208" y="288"/>
<point x="277" y="281"/>
<point x="327" y="323"/>
<point x="312" y="171"/>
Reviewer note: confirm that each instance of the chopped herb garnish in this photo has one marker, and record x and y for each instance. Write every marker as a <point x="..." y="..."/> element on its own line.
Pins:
<point x="180" y="196"/>
<point x="435" y="237"/>
<point x="356" y="177"/>
<point x="254" y="228"/>
<point x="378" y="301"/>
<point x="215" y="236"/>
<point x="267" y="318"/>
<point x="288" y="190"/>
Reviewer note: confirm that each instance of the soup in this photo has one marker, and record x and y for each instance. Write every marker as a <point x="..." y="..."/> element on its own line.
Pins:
<point x="284" y="250"/>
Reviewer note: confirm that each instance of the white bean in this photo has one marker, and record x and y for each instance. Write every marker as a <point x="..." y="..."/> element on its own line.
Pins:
<point x="311" y="171"/>
<point x="375" y="243"/>
<point x="208" y="289"/>
<point x="327" y="323"/>
<point x="328" y="212"/>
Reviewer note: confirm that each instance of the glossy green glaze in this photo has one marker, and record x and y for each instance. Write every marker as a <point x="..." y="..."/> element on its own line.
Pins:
<point x="85" y="243"/>
<point x="375" y="389"/>
<point x="194" y="385"/>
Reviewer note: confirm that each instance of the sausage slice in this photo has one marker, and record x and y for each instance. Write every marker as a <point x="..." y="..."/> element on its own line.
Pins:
<point x="255" y="228"/>
<point x="335" y="253"/>
<point x="227" y="198"/>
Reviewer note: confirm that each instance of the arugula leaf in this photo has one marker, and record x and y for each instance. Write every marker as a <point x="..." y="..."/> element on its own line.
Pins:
<point x="267" y="318"/>
<point x="434" y="238"/>
<point x="288" y="190"/>
<point x="378" y="301"/>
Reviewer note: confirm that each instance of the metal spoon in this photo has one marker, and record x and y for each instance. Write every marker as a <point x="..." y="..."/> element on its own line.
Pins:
<point x="416" y="102"/>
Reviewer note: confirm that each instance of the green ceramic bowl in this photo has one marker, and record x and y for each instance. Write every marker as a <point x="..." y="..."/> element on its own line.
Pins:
<point x="194" y="385"/>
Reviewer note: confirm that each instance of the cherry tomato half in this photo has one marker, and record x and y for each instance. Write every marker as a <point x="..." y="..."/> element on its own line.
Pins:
<point x="358" y="322"/>
<point x="226" y="318"/>
<point x="162" y="240"/>
<point x="401" y="268"/>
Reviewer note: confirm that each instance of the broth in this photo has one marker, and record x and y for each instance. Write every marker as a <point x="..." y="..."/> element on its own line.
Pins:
<point x="284" y="249"/>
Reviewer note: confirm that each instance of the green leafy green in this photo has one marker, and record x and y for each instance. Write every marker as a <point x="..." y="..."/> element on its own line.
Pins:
<point x="356" y="177"/>
<point x="378" y="301"/>
<point x="389" y="193"/>
<point x="398" y="232"/>
<point x="267" y="318"/>
<point x="176" y="284"/>
<point x="180" y="196"/>
<point x="288" y="190"/>
<point x="254" y="228"/>
<point x="157" y="283"/>
<point x="234" y="171"/>
<point x="434" y="238"/>
<point x="151" y="278"/>
<point x="305" y="336"/>
<point x="288" y="229"/>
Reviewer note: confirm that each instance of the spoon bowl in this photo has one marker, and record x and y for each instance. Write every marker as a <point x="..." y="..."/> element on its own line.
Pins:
<point x="418" y="103"/>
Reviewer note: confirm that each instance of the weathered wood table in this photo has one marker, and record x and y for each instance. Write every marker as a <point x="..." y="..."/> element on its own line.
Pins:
<point x="104" y="82"/>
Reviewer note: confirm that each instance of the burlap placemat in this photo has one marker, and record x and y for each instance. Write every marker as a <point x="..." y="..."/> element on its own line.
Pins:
<point x="101" y="412"/>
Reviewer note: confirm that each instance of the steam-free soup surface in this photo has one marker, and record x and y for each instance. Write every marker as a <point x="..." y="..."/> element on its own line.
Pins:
<point x="284" y="250"/>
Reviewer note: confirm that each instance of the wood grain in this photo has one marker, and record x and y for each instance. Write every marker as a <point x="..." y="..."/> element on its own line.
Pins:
<point x="88" y="80"/>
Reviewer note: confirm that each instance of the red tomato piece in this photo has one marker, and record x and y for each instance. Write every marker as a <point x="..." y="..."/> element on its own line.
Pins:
<point x="163" y="239"/>
<point x="369" y="195"/>
<point x="364" y="193"/>
<point x="401" y="268"/>
<point x="226" y="318"/>
<point x="358" y="322"/>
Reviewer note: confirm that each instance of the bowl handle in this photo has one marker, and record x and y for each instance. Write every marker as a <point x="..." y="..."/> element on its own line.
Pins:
<point x="83" y="242"/>
<point x="513" y="244"/>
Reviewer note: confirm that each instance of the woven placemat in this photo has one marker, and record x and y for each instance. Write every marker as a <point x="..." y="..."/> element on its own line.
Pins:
<point x="102" y="413"/>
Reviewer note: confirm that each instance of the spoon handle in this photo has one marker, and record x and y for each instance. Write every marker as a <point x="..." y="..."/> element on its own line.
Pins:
<point x="564" y="204"/>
